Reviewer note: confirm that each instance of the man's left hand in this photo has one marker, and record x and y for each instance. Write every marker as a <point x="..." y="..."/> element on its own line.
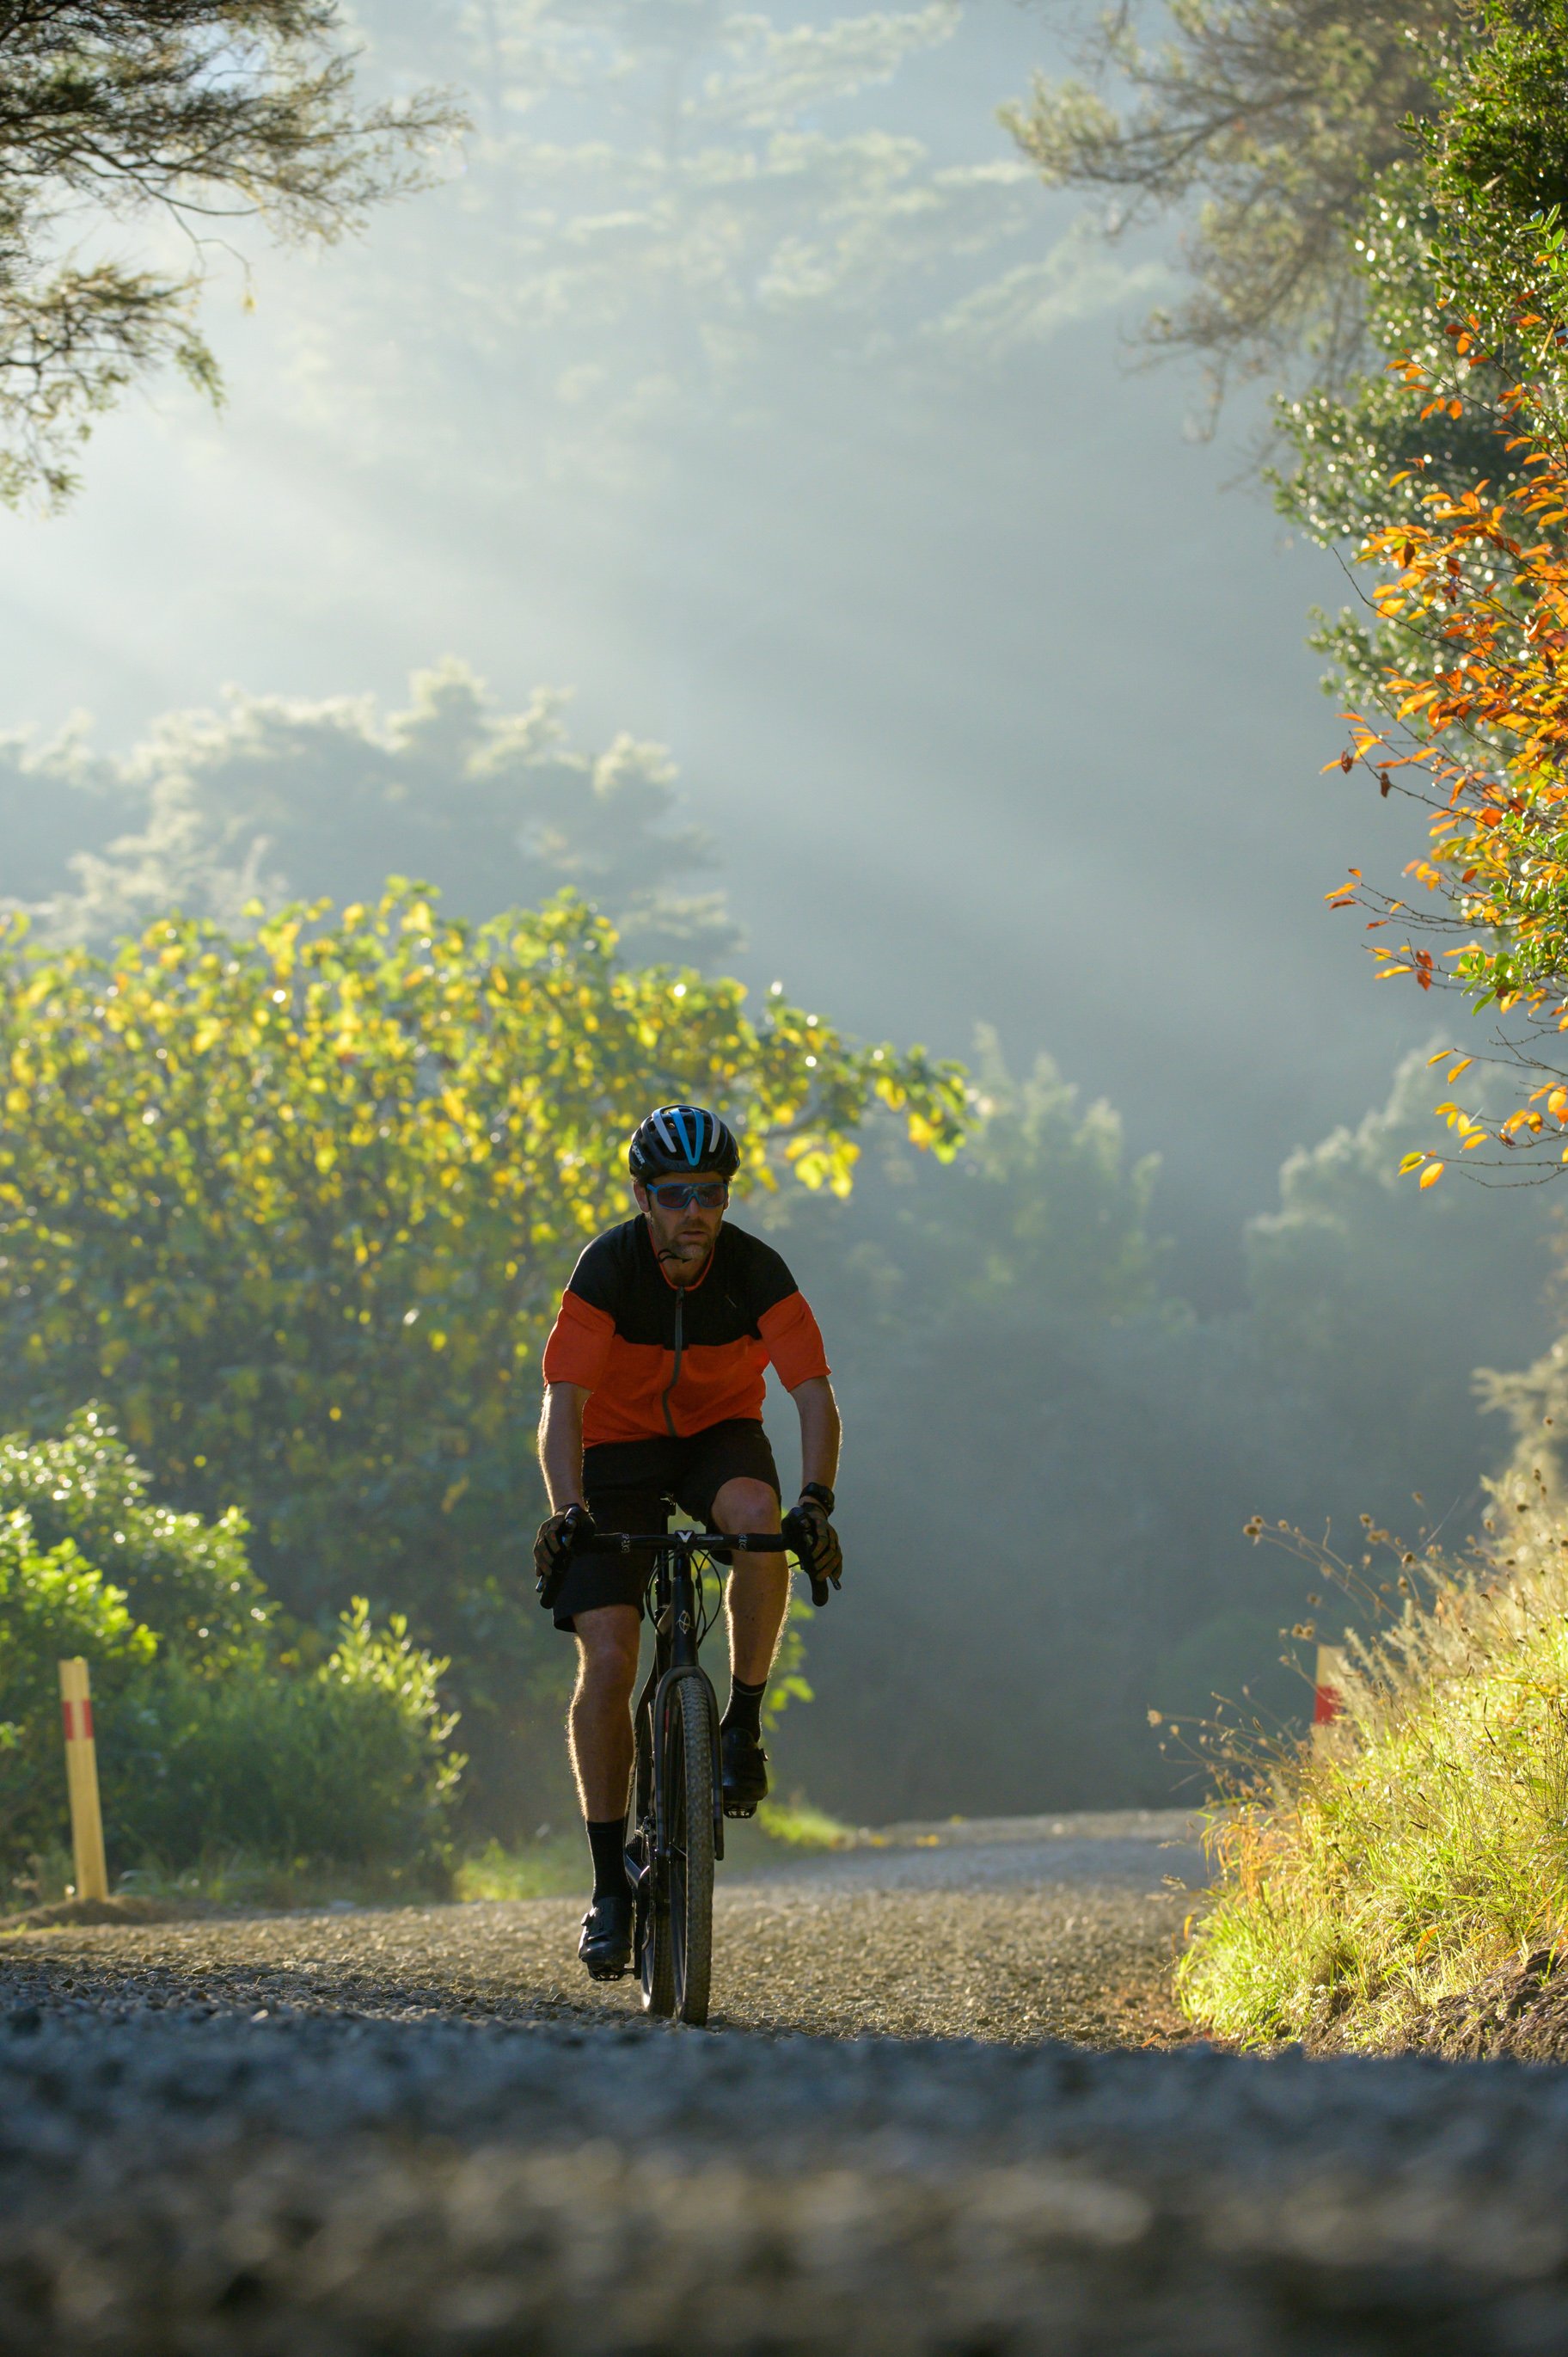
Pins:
<point x="814" y="1539"/>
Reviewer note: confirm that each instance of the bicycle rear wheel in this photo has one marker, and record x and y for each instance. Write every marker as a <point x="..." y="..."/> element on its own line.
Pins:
<point x="677" y="1947"/>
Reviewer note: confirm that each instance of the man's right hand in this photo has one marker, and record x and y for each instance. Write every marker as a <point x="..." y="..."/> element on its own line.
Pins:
<point x="552" y="1549"/>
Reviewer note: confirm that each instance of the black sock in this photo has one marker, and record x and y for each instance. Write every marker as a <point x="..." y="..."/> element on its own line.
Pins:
<point x="607" y="1839"/>
<point x="746" y="1705"/>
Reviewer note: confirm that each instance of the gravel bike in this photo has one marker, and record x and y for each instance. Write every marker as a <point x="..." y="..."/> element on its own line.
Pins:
<point x="677" y="1793"/>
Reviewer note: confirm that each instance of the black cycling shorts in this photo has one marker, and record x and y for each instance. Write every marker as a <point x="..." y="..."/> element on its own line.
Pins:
<point x="627" y="1485"/>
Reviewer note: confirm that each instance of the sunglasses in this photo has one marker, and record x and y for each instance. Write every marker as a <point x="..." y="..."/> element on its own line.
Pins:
<point x="680" y="1194"/>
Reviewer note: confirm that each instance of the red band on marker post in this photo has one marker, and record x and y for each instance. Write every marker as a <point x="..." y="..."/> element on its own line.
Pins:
<point x="1329" y="1693"/>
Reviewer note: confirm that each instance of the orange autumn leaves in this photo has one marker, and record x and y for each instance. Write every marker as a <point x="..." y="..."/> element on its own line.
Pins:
<point x="1478" y="590"/>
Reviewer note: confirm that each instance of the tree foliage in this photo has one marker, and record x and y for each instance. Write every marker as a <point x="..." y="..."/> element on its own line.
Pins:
<point x="189" y="1579"/>
<point x="1470" y="607"/>
<point x="1265" y="122"/>
<point x="298" y="1209"/>
<point x="276" y="799"/>
<point x="1447" y="246"/>
<point x="171" y="112"/>
<point x="1480" y="737"/>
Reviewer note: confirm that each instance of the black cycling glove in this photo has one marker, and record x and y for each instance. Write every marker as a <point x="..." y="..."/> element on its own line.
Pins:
<point x="552" y="1549"/>
<point x="814" y="1540"/>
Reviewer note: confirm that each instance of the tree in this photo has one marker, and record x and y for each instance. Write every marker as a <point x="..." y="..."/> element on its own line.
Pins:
<point x="273" y="799"/>
<point x="185" y="112"/>
<point x="1274" y="116"/>
<point x="297" y="1209"/>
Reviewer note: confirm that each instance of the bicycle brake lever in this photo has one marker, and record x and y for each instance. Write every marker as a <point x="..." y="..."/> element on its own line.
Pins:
<point x="820" y="1590"/>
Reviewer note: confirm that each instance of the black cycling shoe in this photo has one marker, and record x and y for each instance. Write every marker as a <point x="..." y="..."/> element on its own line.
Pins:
<point x="606" y="1944"/>
<point x="745" y="1771"/>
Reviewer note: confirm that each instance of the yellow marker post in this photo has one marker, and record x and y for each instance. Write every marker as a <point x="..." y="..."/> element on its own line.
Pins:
<point x="81" y="1781"/>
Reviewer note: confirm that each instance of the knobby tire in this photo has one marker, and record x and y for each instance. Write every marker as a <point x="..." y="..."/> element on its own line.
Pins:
<point x="678" y="1952"/>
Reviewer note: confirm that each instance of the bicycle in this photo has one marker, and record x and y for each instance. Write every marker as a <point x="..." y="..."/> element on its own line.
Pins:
<point x="678" y="1790"/>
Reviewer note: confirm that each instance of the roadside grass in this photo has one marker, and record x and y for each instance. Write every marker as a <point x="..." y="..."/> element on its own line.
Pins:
<point x="233" y="1879"/>
<point x="801" y="1825"/>
<point x="1423" y="1841"/>
<point x="552" y="1865"/>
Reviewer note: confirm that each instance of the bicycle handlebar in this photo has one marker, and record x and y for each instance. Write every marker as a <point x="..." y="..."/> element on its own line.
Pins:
<point x="697" y="1542"/>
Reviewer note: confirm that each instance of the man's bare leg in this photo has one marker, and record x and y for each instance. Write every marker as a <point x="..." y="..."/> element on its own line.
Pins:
<point x="758" y="1591"/>
<point x="757" y="1599"/>
<point x="599" y="1723"/>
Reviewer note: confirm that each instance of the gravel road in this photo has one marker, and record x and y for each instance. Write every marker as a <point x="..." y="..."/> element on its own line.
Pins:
<point x="415" y="2132"/>
<point x="1010" y="1930"/>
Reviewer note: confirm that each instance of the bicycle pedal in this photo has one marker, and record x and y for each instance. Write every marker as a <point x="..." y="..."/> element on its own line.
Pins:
<point x="739" y="1812"/>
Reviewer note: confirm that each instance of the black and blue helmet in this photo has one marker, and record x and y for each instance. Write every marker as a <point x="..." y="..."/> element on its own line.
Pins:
<point x="681" y="1138"/>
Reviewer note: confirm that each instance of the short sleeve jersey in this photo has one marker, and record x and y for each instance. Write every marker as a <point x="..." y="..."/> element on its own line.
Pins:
<point x="659" y="1359"/>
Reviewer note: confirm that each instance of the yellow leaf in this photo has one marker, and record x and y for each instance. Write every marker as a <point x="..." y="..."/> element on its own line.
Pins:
<point x="1430" y="1176"/>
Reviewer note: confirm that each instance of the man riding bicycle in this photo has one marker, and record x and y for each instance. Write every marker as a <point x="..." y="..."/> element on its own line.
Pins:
<point x="653" y="1387"/>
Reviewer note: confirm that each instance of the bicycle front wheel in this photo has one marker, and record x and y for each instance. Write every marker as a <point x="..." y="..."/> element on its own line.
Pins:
<point x="679" y="1964"/>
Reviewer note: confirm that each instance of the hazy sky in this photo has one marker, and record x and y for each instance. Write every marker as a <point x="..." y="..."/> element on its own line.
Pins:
<point x="819" y="461"/>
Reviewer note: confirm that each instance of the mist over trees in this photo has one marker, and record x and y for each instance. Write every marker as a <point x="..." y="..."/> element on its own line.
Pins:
<point x="269" y="800"/>
<point x="1076" y="1540"/>
<point x="657" y="239"/>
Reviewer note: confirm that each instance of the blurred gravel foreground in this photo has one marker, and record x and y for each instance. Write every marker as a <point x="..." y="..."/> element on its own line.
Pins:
<point x="174" y="2182"/>
<point x="946" y="2113"/>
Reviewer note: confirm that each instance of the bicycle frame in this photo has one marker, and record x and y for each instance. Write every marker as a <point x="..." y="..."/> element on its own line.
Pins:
<point x="678" y="1632"/>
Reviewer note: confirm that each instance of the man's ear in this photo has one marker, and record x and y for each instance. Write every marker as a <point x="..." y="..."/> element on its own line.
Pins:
<point x="640" y="1192"/>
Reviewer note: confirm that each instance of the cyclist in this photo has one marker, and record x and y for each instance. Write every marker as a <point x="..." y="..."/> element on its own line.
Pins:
<point x="653" y="1387"/>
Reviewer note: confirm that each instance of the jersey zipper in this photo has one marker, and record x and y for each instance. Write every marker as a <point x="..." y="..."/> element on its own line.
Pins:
<point x="675" y="1374"/>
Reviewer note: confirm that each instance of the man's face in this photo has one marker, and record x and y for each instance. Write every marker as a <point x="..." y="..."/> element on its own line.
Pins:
<point x="682" y="1236"/>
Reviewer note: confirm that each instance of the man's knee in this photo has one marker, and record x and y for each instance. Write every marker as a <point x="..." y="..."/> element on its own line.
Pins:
<point x="609" y="1642"/>
<point x="746" y="1505"/>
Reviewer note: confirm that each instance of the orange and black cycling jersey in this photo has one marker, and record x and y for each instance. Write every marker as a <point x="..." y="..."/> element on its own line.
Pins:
<point x="665" y="1358"/>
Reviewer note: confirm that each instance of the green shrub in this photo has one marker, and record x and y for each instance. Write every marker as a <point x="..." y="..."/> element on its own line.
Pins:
<point x="349" y="1761"/>
<point x="53" y="1604"/>
<point x="188" y="1579"/>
